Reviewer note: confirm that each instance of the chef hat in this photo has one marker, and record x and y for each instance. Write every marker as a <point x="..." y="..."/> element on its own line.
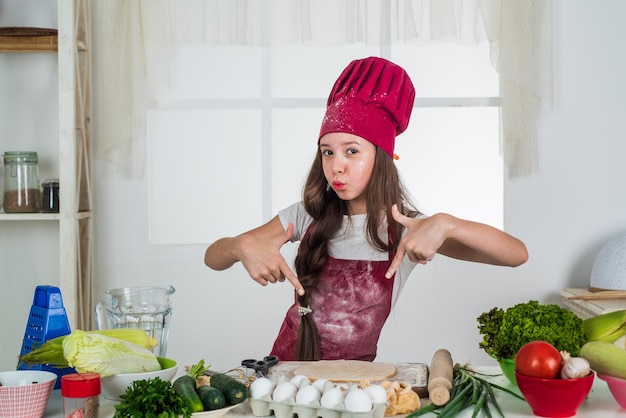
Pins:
<point x="373" y="99"/>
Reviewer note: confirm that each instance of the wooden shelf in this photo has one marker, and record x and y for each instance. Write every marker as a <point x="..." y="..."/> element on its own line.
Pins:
<point x="24" y="39"/>
<point x="41" y="216"/>
<point x="70" y="41"/>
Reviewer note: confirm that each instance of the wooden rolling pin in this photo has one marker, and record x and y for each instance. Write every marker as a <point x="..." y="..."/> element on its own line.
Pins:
<point x="440" y="377"/>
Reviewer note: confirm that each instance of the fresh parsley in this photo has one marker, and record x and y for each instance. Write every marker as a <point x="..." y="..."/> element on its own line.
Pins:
<point x="151" y="398"/>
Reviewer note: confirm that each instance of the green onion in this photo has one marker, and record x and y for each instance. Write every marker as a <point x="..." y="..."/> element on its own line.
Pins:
<point x="467" y="389"/>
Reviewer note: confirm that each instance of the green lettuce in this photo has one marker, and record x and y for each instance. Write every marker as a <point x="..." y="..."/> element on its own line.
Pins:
<point x="504" y="332"/>
<point x="107" y="356"/>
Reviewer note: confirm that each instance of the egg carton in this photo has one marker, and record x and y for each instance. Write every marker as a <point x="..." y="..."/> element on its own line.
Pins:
<point x="264" y="406"/>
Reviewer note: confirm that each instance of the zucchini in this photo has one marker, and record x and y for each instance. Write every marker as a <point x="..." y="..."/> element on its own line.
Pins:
<point x="185" y="387"/>
<point x="605" y="358"/>
<point x="212" y="398"/>
<point x="234" y="390"/>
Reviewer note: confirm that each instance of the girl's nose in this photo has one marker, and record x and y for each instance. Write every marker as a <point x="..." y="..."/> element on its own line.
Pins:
<point x="338" y="165"/>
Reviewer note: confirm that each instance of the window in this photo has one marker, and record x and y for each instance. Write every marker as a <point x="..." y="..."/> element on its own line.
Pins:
<point x="237" y="131"/>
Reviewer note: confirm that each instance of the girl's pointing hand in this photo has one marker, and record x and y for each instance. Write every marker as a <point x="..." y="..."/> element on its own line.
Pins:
<point x="261" y="257"/>
<point x="420" y="243"/>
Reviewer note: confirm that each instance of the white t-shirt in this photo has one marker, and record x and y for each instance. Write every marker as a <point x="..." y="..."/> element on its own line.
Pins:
<point x="350" y="243"/>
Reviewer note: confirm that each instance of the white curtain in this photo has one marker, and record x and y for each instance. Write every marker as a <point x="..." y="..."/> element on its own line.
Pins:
<point x="133" y="39"/>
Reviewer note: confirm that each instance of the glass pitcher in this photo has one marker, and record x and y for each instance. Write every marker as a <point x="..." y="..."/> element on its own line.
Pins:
<point x="145" y="307"/>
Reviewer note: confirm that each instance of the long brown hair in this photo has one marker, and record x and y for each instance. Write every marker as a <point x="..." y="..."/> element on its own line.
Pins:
<point x="327" y="210"/>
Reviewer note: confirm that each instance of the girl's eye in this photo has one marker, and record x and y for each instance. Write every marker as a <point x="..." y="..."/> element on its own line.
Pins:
<point x="352" y="151"/>
<point x="327" y="152"/>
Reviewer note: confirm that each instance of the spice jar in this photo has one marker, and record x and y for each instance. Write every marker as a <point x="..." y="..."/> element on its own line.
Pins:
<point x="81" y="395"/>
<point x="50" y="196"/>
<point x="21" y="182"/>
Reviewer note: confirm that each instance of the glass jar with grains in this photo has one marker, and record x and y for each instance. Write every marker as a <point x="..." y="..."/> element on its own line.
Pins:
<point x="21" y="182"/>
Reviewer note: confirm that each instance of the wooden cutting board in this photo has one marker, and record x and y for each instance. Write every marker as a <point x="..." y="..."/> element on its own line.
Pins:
<point x="415" y="374"/>
<point x="346" y="370"/>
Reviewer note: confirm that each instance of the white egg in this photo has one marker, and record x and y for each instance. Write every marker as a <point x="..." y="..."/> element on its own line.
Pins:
<point x="377" y="393"/>
<point x="307" y="395"/>
<point x="358" y="400"/>
<point x="332" y="398"/>
<point x="281" y="379"/>
<point x="261" y="387"/>
<point x="328" y="385"/>
<point x="284" y="391"/>
<point x="319" y="384"/>
<point x="299" y="380"/>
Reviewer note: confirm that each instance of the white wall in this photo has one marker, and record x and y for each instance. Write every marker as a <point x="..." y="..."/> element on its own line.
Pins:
<point x="564" y="214"/>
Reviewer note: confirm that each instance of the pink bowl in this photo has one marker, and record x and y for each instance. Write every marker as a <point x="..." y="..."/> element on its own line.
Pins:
<point x="617" y="387"/>
<point x="554" y="397"/>
<point x="25" y="393"/>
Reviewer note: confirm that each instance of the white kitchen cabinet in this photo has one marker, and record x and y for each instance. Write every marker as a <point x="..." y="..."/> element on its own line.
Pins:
<point x="71" y="44"/>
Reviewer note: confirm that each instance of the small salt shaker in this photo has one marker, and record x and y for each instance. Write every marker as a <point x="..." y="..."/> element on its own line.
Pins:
<point x="81" y="395"/>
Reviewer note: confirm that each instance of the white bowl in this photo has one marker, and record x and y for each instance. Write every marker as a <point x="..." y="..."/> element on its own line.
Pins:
<point x="25" y="393"/>
<point x="115" y="386"/>
<point x="215" y="413"/>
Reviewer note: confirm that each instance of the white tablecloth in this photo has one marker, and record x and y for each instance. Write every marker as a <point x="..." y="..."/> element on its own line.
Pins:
<point x="599" y="404"/>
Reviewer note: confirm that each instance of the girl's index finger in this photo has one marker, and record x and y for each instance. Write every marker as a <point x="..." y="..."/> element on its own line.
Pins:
<point x="293" y="279"/>
<point x="400" y="252"/>
<point x="284" y="268"/>
<point x="395" y="262"/>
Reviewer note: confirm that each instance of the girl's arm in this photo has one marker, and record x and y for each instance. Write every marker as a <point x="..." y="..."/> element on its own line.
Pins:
<point x="456" y="238"/>
<point x="473" y="241"/>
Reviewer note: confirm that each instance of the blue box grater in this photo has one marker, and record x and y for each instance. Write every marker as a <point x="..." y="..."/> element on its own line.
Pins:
<point x="47" y="320"/>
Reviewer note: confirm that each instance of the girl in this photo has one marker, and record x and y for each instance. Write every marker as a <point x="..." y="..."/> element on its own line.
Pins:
<point x="360" y="236"/>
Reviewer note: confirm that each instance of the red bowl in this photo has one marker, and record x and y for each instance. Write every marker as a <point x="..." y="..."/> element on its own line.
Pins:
<point x="554" y="397"/>
<point x="617" y="387"/>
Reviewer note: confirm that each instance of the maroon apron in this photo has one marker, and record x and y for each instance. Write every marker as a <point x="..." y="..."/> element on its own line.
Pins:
<point x="350" y="305"/>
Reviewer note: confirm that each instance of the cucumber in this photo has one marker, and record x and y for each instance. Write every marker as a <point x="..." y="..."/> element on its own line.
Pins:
<point x="234" y="390"/>
<point x="212" y="398"/>
<point x="185" y="387"/>
<point x="605" y="358"/>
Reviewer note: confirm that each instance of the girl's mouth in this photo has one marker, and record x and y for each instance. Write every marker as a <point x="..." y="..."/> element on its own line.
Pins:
<point x="337" y="185"/>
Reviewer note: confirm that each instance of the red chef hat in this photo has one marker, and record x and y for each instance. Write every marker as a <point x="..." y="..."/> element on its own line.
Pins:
<point x="372" y="98"/>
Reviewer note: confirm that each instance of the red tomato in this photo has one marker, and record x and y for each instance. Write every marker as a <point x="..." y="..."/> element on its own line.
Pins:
<point x="538" y="359"/>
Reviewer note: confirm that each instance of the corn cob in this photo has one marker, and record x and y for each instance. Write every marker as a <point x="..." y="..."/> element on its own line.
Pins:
<point x="608" y="327"/>
<point x="605" y="358"/>
<point x="51" y="352"/>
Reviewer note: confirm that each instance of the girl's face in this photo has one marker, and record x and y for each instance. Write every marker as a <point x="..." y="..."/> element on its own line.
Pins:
<point x="347" y="161"/>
